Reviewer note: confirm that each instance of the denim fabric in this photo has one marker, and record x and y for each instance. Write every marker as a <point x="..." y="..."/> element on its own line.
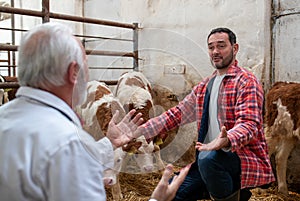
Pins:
<point x="193" y="187"/>
<point x="217" y="172"/>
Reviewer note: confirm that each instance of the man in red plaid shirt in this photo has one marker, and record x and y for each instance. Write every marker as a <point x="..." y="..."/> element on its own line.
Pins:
<point x="232" y="153"/>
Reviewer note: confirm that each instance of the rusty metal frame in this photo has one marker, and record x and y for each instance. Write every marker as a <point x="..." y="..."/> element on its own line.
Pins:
<point x="46" y="15"/>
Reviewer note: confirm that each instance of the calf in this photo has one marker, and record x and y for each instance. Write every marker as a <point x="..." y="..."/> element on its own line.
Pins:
<point x="134" y="92"/>
<point x="282" y="126"/>
<point x="98" y="109"/>
<point x="96" y="112"/>
<point x="11" y="92"/>
<point x="8" y="93"/>
<point x="178" y="145"/>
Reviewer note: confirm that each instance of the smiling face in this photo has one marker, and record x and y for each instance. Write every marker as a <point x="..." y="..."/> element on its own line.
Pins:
<point x="221" y="52"/>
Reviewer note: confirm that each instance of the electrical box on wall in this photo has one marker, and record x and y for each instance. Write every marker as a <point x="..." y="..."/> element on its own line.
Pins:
<point x="174" y="69"/>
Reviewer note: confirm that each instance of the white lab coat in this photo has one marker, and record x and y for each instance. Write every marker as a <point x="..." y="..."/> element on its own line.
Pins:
<point x="45" y="154"/>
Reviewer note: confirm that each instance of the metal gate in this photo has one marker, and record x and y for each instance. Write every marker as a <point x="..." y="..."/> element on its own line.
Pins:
<point x="10" y="65"/>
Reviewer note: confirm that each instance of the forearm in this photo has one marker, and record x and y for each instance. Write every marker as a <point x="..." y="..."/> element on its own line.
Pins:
<point x="242" y="133"/>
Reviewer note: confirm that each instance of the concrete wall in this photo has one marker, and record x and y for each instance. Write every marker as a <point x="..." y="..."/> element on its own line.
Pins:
<point x="172" y="39"/>
<point x="172" y="35"/>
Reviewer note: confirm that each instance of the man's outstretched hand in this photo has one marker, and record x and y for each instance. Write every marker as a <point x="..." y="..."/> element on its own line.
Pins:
<point x="165" y="191"/>
<point x="220" y="142"/>
<point x="121" y="133"/>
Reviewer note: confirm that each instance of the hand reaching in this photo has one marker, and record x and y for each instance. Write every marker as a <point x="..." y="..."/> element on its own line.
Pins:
<point x="220" y="142"/>
<point x="165" y="191"/>
<point x="121" y="133"/>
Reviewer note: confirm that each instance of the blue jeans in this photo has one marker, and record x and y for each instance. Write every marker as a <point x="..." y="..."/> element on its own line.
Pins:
<point x="216" y="173"/>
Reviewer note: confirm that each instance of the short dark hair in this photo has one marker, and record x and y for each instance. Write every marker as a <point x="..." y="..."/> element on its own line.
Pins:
<point x="231" y="35"/>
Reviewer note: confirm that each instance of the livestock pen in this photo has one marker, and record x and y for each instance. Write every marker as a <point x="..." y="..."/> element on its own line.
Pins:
<point x="8" y="50"/>
<point x="135" y="187"/>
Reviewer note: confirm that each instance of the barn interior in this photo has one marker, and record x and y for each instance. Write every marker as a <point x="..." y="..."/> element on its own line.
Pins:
<point x="166" y="41"/>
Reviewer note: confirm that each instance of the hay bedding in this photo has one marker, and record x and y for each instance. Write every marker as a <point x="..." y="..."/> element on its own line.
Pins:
<point x="138" y="187"/>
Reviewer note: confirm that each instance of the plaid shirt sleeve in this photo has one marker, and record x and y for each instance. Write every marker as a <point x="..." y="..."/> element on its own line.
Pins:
<point x="181" y="114"/>
<point x="246" y="121"/>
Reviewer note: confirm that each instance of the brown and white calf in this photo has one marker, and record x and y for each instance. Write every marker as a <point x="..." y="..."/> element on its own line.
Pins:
<point x="134" y="92"/>
<point x="9" y="93"/>
<point x="98" y="109"/>
<point x="178" y="145"/>
<point x="282" y="126"/>
<point x="96" y="113"/>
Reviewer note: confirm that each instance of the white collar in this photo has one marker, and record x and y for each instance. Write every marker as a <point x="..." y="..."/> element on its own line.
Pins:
<point x="50" y="100"/>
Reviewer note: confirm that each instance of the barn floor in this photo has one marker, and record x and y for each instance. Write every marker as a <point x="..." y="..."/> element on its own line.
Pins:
<point x="137" y="187"/>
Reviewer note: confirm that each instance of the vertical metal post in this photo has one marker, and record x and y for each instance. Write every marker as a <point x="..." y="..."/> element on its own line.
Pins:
<point x="9" y="64"/>
<point x="135" y="47"/>
<point x="46" y="10"/>
<point x="273" y="27"/>
<point x="13" y="42"/>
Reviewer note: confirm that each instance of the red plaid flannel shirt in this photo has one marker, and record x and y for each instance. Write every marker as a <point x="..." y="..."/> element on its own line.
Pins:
<point x="240" y="110"/>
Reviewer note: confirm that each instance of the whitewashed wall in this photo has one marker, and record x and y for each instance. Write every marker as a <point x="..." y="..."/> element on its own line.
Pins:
<point x="173" y="34"/>
<point x="172" y="38"/>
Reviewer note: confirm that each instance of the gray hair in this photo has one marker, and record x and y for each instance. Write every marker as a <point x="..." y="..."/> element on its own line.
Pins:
<point x="45" y="53"/>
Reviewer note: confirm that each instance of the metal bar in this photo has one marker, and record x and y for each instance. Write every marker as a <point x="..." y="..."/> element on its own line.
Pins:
<point x="6" y="9"/>
<point x="5" y="85"/>
<point x="90" y="20"/>
<point x="135" y="47"/>
<point x="77" y="35"/>
<point x="89" y="52"/>
<point x="10" y="29"/>
<point x="90" y="67"/>
<point x="10" y="66"/>
<point x="103" y="38"/>
<point x="20" y="11"/>
<point x="8" y="47"/>
<point x="13" y="42"/>
<point x="46" y="15"/>
<point x="109" y="68"/>
<point x="46" y="11"/>
<point x="109" y="53"/>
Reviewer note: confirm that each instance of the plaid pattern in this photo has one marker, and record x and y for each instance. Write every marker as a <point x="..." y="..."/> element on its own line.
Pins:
<point x="240" y="105"/>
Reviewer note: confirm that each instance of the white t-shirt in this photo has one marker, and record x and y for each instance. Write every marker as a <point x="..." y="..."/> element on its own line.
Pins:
<point x="45" y="154"/>
<point x="213" y="124"/>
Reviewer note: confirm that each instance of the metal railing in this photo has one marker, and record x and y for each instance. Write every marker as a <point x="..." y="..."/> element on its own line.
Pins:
<point x="46" y="15"/>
